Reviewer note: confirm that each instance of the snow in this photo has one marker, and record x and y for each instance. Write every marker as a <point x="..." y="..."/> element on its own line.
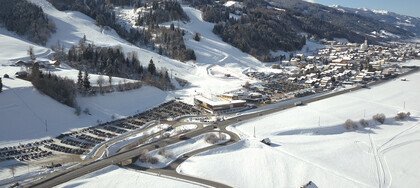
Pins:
<point x="212" y="53"/>
<point x="178" y="149"/>
<point x="25" y="111"/>
<point x="309" y="48"/>
<point x="311" y="144"/>
<point x="13" y="47"/>
<point x="113" y="176"/>
<point x="235" y="4"/>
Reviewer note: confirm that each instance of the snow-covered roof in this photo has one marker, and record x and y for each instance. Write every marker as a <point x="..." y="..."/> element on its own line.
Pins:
<point x="217" y="101"/>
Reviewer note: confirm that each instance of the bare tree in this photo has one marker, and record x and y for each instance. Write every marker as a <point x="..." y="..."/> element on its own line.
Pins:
<point x="379" y="118"/>
<point x="100" y="83"/>
<point x="110" y="83"/>
<point x="31" y="53"/>
<point x="364" y="123"/>
<point x="402" y="116"/>
<point x="12" y="170"/>
<point x="349" y="124"/>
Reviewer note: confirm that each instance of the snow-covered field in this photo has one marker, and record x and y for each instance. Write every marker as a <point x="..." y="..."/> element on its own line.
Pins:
<point x="311" y="144"/>
<point x="116" y="177"/>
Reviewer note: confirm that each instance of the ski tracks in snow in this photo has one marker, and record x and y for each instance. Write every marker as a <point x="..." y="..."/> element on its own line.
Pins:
<point x="383" y="173"/>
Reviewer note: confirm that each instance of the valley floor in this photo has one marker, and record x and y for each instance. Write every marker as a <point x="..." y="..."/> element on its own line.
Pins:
<point x="310" y="143"/>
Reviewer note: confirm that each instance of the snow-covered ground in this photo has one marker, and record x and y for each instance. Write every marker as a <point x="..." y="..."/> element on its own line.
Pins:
<point x="116" y="177"/>
<point x="311" y="144"/>
<point x="213" y="55"/>
<point x="39" y="112"/>
<point x="175" y="151"/>
<point x="14" y="47"/>
<point x="309" y="49"/>
<point x="27" y="114"/>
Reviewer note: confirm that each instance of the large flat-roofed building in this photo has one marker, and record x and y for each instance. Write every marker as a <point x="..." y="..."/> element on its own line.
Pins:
<point x="218" y="105"/>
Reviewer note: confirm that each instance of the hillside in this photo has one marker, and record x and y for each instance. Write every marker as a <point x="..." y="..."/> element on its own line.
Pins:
<point x="408" y="23"/>
<point x="214" y="59"/>
<point x="26" y="19"/>
<point x="261" y="27"/>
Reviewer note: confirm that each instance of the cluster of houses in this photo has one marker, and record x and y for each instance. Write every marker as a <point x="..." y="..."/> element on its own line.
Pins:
<point x="42" y="62"/>
<point x="337" y="65"/>
<point x="350" y="63"/>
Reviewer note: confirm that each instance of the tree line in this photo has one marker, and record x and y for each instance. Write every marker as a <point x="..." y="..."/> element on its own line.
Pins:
<point x="112" y="61"/>
<point x="60" y="89"/>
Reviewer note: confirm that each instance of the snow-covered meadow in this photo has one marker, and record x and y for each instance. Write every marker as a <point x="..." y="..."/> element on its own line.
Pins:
<point x="310" y="143"/>
<point x="113" y="176"/>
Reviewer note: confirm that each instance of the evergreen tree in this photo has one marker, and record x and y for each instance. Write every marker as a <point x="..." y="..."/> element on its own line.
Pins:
<point x="151" y="68"/>
<point x="1" y="85"/>
<point x="86" y="83"/>
<point x="197" y="37"/>
<point x="80" y="80"/>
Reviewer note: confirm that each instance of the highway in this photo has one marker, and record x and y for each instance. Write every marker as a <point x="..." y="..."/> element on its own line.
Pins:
<point x="69" y="174"/>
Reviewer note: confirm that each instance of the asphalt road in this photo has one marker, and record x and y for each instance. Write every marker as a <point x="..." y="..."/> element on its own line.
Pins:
<point x="67" y="175"/>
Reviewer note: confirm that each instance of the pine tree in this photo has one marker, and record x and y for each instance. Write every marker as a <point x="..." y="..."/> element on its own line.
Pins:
<point x="80" y="81"/>
<point x="197" y="37"/>
<point x="86" y="83"/>
<point x="151" y="68"/>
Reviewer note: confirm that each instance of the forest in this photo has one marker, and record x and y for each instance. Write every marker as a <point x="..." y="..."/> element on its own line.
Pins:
<point x="112" y="61"/>
<point x="104" y="14"/>
<point x="26" y="19"/>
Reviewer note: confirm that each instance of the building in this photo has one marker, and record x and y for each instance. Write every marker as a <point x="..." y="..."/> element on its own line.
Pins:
<point x="219" y="105"/>
<point x="364" y="46"/>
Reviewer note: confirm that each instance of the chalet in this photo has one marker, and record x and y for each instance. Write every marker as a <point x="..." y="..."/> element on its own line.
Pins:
<point x="21" y="63"/>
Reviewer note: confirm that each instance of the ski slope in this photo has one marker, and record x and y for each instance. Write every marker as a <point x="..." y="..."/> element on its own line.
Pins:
<point x="310" y="143"/>
<point x="214" y="57"/>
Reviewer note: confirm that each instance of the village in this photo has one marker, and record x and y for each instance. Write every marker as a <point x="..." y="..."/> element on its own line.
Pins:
<point x="339" y="66"/>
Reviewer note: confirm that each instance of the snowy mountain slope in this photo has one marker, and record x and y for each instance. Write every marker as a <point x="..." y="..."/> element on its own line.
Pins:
<point x="310" y="143"/>
<point x="72" y="26"/>
<point x="25" y="112"/>
<point x="13" y="47"/>
<point x="408" y="23"/>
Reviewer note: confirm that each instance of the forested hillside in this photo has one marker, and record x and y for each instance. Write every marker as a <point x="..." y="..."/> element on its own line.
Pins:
<point x="104" y="13"/>
<point x="26" y="19"/>
<point x="259" y="27"/>
<point x="161" y="12"/>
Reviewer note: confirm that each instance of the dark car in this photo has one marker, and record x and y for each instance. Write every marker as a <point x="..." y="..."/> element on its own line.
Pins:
<point x="183" y="137"/>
